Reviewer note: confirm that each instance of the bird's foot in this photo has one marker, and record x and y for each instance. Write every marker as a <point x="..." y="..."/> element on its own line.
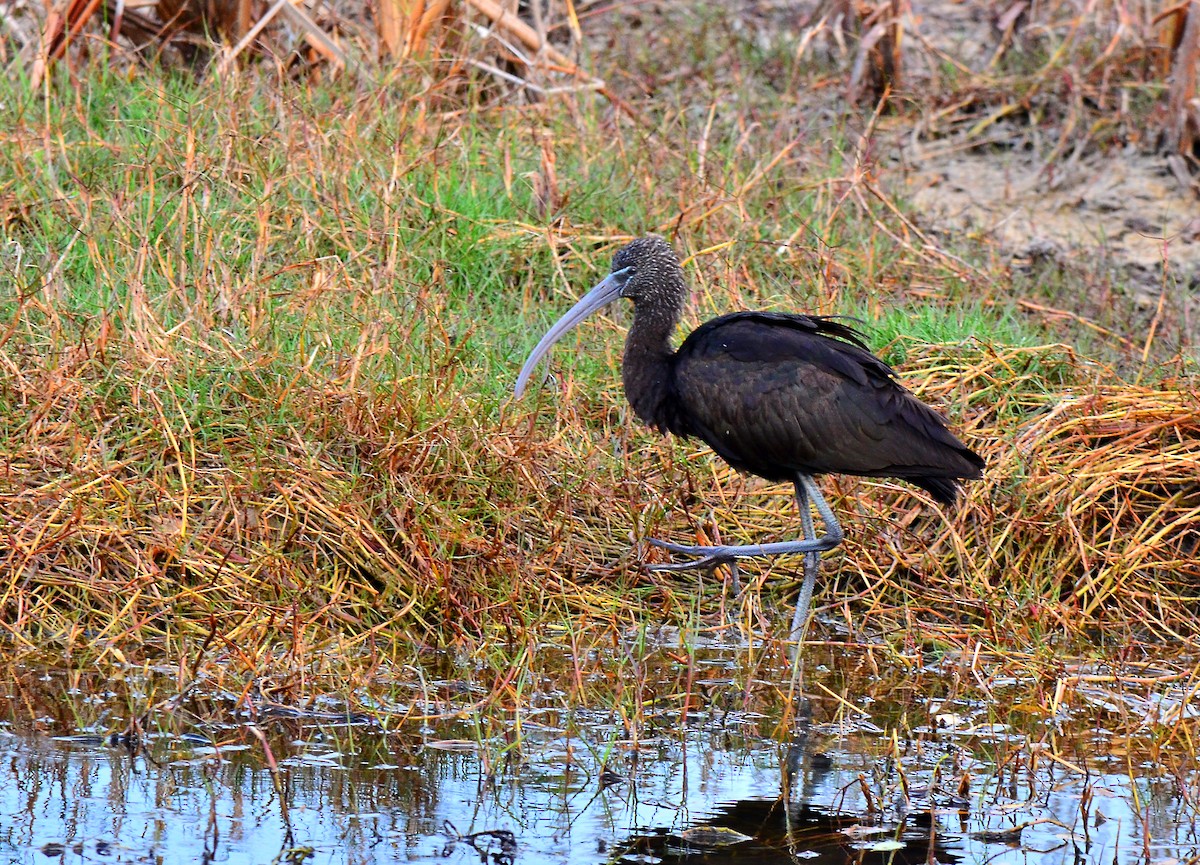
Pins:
<point x="713" y="557"/>
<point x="709" y="558"/>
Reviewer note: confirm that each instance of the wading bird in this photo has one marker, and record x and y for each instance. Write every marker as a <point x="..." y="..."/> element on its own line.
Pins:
<point x="784" y="397"/>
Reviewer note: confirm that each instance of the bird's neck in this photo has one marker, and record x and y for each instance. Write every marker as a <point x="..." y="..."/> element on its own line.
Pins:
<point x="646" y="370"/>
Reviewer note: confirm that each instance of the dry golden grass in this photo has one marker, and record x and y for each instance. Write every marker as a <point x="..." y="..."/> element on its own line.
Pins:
<point x="1088" y="514"/>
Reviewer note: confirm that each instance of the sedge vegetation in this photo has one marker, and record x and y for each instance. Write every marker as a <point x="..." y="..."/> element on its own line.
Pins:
<point x="258" y="340"/>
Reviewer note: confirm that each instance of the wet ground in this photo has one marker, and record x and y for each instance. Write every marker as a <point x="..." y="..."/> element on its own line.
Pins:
<point x="701" y="767"/>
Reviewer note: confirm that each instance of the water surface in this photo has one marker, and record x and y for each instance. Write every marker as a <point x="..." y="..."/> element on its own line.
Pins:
<point x="702" y="769"/>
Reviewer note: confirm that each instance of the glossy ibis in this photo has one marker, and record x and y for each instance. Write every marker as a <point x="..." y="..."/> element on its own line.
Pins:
<point x="781" y="396"/>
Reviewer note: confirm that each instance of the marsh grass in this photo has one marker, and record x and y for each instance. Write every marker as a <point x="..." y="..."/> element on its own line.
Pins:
<point x="258" y="342"/>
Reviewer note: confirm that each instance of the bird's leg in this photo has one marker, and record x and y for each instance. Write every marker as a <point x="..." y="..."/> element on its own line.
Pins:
<point x="710" y="557"/>
<point x="811" y="562"/>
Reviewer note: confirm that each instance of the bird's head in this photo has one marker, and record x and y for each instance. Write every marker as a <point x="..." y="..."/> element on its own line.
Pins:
<point x="645" y="271"/>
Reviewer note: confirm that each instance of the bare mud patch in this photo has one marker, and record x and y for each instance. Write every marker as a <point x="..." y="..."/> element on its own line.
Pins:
<point x="1126" y="210"/>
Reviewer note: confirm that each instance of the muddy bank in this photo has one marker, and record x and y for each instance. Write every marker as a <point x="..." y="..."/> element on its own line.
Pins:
<point x="1128" y="208"/>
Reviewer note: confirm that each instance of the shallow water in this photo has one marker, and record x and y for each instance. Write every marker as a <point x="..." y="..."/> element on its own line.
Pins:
<point x="724" y="781"/>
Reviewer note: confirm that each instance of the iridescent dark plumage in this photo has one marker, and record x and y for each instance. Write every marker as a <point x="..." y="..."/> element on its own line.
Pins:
<point x="785" y="397"/>
<point x="779" y="394"/>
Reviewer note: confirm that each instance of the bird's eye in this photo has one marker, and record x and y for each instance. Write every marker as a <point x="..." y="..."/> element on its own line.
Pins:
<point x="622" y="276"/>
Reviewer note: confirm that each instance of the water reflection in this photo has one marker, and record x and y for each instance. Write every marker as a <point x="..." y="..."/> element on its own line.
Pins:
<point x="710" y="783"/>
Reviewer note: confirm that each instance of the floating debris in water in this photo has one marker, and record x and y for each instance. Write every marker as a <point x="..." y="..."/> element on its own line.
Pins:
<point x="713" y="836"/>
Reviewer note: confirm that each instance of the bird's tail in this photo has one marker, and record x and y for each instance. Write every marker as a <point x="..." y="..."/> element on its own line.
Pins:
<point x="945" y="490"/>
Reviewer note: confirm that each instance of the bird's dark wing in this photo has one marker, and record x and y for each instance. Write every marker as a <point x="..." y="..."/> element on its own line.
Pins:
<point x="777" y="394"/>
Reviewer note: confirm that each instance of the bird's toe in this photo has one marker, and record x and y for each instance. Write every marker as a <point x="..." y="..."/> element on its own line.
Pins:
<point x="707" y="558"/>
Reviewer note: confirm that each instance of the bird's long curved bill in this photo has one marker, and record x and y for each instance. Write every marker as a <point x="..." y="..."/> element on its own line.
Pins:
<point x="608" y="290"/>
